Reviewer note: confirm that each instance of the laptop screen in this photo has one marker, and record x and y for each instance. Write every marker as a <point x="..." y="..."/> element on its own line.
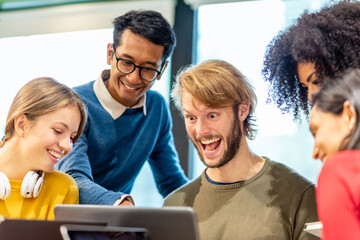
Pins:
<point x="38" y="229"/>
<point x="82" y="232"/>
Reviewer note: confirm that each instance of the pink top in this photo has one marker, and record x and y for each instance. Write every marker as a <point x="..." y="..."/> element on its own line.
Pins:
<point x="338" y="196"/>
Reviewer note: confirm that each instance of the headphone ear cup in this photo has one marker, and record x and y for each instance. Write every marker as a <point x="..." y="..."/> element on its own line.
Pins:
<point x="5" y="188"/>
<point x="38" y="185"/>
<point x="32" y="184"/>
<point x="28" y="181"/>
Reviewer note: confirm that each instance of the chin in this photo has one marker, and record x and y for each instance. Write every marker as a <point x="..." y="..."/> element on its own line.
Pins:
<point x="213" y="166"/>
<point x="211" y="163"/>
<point x="49" y="169"/>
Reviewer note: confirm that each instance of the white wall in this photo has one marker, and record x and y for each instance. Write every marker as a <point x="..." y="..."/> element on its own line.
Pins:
<point x="75" y="17"/>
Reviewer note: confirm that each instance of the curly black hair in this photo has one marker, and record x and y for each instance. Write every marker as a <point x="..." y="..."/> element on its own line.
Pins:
<point x="330" y="38"/>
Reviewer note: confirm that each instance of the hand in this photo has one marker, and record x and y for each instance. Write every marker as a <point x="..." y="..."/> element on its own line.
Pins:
<point x="126" y="202"/>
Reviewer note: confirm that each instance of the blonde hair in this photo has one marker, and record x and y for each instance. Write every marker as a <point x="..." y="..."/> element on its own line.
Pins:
<point x="217" y="84"/>
<point x="41" y="96"/>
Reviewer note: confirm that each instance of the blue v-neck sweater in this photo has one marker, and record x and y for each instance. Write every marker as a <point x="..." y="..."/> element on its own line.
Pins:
<point x="111" y="152"/>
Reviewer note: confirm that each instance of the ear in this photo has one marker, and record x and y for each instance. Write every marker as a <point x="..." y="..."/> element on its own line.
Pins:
<point x="244" y="109"/>
<point x="349" y="115"/>
<point x="162" y="71"/>
<point x="21" y="124"/>
<point x="109" y="53"/>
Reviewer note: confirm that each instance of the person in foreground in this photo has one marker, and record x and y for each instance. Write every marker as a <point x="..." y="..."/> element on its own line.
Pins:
<point x="318" y="47"/>
<point x="240" y="195"/>
<point x="44" y="120"/>
<point x="334" y="123"/>
<point x="128" y="124"/>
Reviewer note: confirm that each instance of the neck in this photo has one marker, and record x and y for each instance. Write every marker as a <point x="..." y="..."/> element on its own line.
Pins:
<point x="243" y="166"/>
<point x="11" y="163"/>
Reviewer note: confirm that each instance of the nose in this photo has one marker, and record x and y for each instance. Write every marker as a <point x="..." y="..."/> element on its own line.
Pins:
<point x="313" y="89"/>
<point x="310" y="97"/>
<point x="134" y="77"/>
<point x="315" y="153"/>
<point x="66" y="144"/>
<point x="310" y="93"/>
<point x="202" y="128"/>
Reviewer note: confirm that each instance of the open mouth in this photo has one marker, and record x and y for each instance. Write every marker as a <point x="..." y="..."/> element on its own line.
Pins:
<point x="130" y="88"/>
<point x="211" y="144"/>
<point x="54" y="154"/>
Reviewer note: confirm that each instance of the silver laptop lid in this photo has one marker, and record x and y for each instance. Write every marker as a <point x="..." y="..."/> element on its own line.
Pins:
<point x="175" y="223"/>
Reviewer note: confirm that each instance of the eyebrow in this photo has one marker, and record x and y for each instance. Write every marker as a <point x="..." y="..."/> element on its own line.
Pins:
<point x="147" y="62"/>
<point x="309" y="77"/>
<point x="66" y="126"/>
<point x="185" y="111"/>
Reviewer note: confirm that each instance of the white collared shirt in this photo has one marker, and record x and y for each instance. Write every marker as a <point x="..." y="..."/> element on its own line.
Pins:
<point x="113" y="107"/>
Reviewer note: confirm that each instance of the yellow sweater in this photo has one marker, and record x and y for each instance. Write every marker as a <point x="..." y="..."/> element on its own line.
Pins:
<point x="58" y="188"/>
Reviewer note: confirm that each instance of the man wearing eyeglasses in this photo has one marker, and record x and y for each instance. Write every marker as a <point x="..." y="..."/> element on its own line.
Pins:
<point x="128" y="124"/>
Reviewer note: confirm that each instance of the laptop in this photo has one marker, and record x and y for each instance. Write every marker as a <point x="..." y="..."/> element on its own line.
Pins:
<point x="175" y="223"/>
<point x="87" y="232"/>
<point x="15" y="229"/>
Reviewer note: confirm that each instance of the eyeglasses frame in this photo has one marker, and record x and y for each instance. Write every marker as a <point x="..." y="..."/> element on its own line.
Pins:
<point x="136" y="66"/>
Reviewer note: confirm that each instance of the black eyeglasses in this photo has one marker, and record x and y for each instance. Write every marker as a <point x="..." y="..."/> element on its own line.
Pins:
<point x="127" y="66"/>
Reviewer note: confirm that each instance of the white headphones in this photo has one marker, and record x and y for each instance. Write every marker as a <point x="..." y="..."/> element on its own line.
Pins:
<point x="30" y="187"/>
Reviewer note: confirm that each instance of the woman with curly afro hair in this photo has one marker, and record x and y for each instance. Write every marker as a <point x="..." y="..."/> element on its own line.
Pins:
<point x="318" y="47"/>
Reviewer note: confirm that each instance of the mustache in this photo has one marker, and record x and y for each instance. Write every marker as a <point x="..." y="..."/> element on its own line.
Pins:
<point x="206" y="137"/>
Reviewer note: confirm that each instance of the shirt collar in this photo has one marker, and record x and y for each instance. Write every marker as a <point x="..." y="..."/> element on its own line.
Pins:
<point x="113" y="107"/>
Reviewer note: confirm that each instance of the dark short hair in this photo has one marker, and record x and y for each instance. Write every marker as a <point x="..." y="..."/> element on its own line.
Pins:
<point x="330" y="38"/>
<point x="331" y="99"/>
<point x="148" y="24"/>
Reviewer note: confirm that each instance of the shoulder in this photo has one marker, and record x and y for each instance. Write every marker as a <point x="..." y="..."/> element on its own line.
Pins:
<point x="291" y="189"/>
<point x="344" y="165"/>
<point x="60" y="178"/>
<point x="62" y="187"/>
<point x="345" y="159"/>
<point x="184" y="194"/>
<point x="287" y="176"/>
<point x="191" y="185"/>
<point x="155" y="96"/>
<point x="85" y="89"/>
<point x="157" y="107"/>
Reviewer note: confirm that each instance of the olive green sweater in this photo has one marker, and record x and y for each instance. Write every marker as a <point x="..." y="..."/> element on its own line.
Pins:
<point x="273" y="205"/>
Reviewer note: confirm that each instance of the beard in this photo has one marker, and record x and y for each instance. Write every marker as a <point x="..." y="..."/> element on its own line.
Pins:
<point x="232" y="141"/>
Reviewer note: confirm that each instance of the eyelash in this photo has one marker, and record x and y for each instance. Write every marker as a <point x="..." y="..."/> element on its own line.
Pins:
<point x="190" y="118"/>
<point x="57" y="131"/>
<point x="317" y="82"/>
<point x="213" y="115"/>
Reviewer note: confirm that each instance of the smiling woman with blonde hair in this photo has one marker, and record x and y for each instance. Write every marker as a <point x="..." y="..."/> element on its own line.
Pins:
<point x="45" y="119"/>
